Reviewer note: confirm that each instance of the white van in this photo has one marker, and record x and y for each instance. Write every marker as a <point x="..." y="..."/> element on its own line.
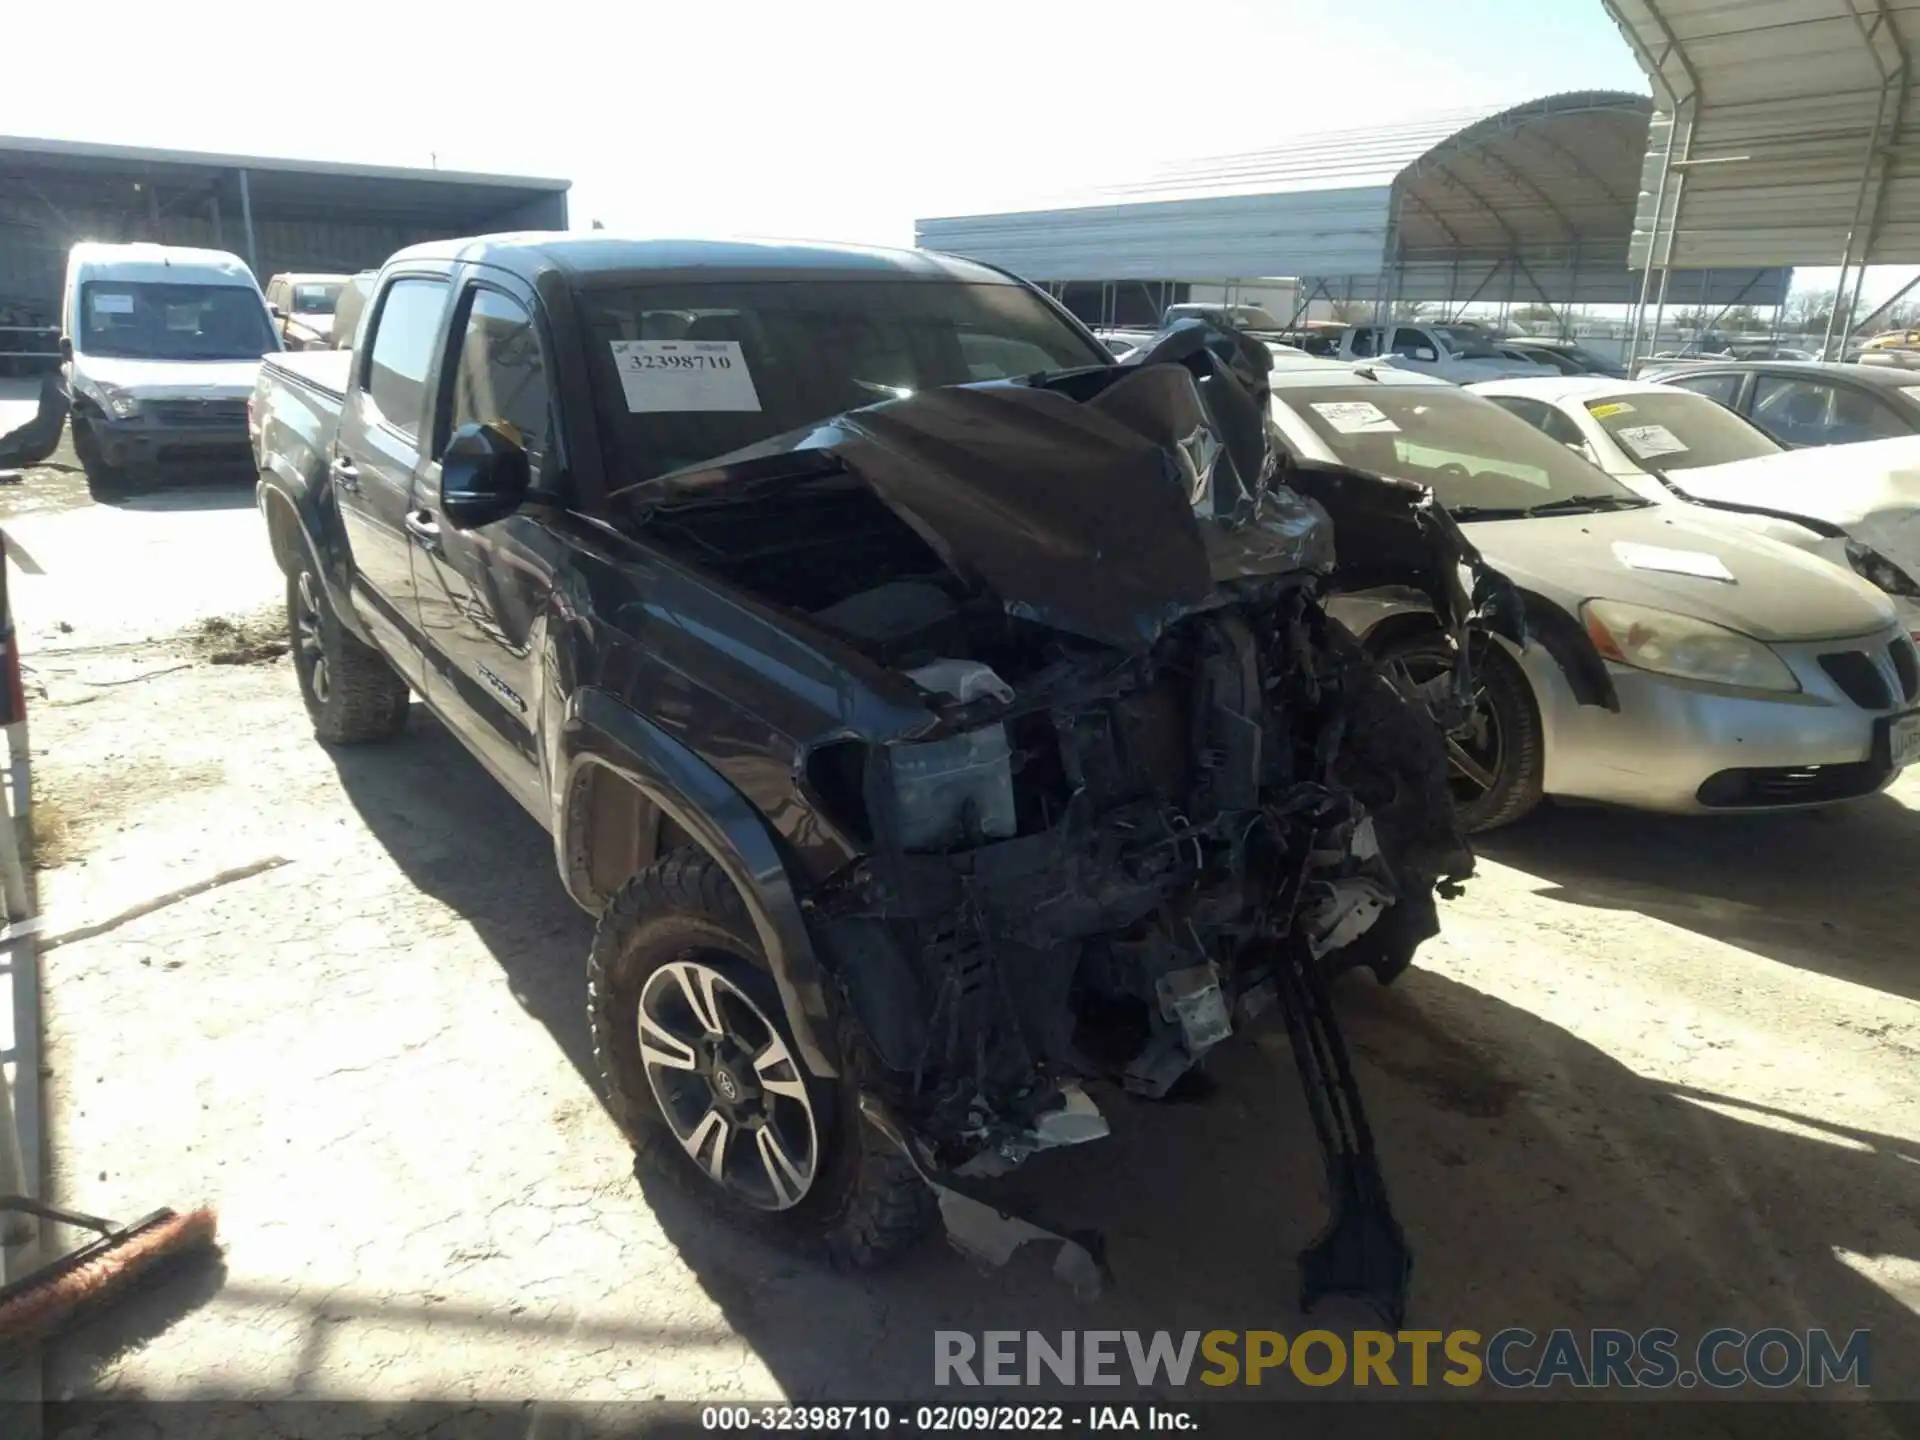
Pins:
<point x="161" y="346"/>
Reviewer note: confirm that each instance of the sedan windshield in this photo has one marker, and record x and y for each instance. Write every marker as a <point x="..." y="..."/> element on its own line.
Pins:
<point x="687" y="372"/>
<point x="1479" y="461"/>
<point x="1678" y="430"/>
<point x="128" y="320"/>
<point x="316" y="299"/>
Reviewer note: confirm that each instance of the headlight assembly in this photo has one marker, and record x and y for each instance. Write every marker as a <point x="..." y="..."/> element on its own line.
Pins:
<point x="1684" y="647"/>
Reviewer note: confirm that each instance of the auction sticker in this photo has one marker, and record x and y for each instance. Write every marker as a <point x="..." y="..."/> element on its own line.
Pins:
<point x="1647" y="441"/>
<point x="108" y="304"/>
<point x="1355" y="417"/>
<point x="1607" y="412"/>
<point x="680" y="375"/>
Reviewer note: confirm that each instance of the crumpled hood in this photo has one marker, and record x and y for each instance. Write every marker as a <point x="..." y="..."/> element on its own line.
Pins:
<point x="170" y="379"/>
<point x="1777" y="593"/>
<point x="1842" y="484"/>
<point x="1082" y="514"/>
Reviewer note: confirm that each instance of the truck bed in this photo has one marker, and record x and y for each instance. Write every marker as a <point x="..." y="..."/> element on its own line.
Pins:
<point x="322" y="370"/>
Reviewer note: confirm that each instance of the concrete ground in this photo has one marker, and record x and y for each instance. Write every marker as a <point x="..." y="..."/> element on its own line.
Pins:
<point x="1654" y="1072"/>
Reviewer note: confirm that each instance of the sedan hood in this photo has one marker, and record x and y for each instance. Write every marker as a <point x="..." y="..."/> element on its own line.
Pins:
<point x="1774" y="592"/>
<point x="171" y="379"/>
<point x="1842" y="484"/>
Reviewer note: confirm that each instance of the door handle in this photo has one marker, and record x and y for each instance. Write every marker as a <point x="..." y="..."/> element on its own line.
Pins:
<point x="345" y="474"/>
<point x="423" y="528"/>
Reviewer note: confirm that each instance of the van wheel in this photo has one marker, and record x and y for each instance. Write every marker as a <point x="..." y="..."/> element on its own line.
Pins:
<point x="351" y="693"/>
<point x="1496" y="761"/>
<point x="102" y="478"/>
<point x="702" y="1075"/>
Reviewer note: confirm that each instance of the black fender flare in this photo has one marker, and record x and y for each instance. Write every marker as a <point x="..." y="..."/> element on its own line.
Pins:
<point x="599" y="729"/>
<point x="305" y="507"/>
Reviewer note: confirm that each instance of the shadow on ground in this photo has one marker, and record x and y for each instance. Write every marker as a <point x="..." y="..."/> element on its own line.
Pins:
<point x="1541" y="1182"/>
<point x="1830" y="891"/>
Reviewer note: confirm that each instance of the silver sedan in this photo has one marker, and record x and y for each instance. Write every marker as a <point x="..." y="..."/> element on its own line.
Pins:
<point x="1682" y="663"/>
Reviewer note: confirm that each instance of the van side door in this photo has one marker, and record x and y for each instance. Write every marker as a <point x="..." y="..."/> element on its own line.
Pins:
<point x="377" y="452"/>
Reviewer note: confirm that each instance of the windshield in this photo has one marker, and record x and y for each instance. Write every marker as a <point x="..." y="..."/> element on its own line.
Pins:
<point x="687" y="372"/>
<point x="1479" y="461"/>
<point x="138" y="320"/>
<point x="316" y="299"/>
<point x="1467" y="342"/>
<point x="1678" y="431"/>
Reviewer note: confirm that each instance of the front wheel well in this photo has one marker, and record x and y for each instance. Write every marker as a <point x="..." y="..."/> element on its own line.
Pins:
<point x="1398" y="630"/>
<point x="614" y="831"/>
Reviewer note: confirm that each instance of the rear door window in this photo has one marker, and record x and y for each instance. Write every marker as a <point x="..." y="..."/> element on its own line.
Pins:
<point x="1723" y="388"/>
<point x="404" y="333"/>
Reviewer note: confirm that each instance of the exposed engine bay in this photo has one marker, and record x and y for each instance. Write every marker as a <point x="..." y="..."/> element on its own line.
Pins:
<point x="1162" y="791"/>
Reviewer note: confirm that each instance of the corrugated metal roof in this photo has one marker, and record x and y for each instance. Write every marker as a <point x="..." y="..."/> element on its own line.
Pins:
<point x="1791" y="112"/>
<point x="1559" y="175"/>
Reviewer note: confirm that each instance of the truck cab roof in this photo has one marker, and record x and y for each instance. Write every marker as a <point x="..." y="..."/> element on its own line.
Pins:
<point x="593" y="260"/>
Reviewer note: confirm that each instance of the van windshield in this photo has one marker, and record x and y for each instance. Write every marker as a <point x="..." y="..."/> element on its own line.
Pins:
<point x="142" y="320"/>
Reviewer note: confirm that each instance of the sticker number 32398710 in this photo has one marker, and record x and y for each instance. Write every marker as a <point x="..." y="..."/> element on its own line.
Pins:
<point x="659" y="376"/>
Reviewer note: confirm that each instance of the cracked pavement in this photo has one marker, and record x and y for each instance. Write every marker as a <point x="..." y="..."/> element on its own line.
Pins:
<point x="1653" y="1072"/>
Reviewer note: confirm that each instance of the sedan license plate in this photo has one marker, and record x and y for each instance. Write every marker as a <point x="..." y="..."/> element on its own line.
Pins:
<point x="1903" y="739"/>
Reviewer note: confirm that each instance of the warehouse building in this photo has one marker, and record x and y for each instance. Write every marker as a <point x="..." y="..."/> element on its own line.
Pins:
<point x="275" y="214"/>
<point x="1530" y="204"/>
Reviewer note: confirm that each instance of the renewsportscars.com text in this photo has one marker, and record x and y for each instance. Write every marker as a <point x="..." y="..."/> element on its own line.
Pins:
<point x="1721" y="1359"/>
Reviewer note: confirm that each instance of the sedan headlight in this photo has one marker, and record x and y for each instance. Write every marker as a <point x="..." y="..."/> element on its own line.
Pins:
<point x="1684" y="647"/>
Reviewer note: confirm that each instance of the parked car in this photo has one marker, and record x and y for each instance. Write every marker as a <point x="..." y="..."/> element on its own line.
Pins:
<point x="161" y="346"/>
<point x="1684" y="664"/>
<point x="1856" y="505"/>
<point x="1122" y="342"/>
<point x="1565" y="356"/>
<point x="349" y="307"/>
<point x="1460" y="353"/>
<point x="1806" y="403"/>
<point x="1256" y="318"/>
<point x="302" y="306"/>
<point x="922" y="750"/>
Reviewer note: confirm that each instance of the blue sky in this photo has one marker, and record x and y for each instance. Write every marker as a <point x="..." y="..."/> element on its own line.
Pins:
<point x="831" y="119"/>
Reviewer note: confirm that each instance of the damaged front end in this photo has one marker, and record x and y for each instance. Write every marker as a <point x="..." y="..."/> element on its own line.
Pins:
<point x="1160" y="791"/>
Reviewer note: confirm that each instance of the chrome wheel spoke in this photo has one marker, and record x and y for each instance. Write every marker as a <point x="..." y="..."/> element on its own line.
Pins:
<point x="700" y="987"/>
<point x="660" y="1046"/>
<point x="788" y="1181"/>
<point x="777" y="1073"/>
<point x="1467" y="766"/>
<point x="708" y="1145"/>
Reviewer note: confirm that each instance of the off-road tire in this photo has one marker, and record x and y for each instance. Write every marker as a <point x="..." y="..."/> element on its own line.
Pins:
<point x="867" y="1205"/>
<point x="1518" y="780"/>
<point x="103" y="480"/>
<point x="364" y="699"/>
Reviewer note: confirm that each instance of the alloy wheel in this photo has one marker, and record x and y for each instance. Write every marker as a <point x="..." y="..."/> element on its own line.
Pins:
<point x="307" y="638"/>
<point x="1476" y="749"/>
<point x="727" y="1084"/>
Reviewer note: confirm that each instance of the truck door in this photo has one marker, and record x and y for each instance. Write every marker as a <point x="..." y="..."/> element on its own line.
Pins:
<point x="379" y="450"/>
<point x="1418" y="348"/>
<point x="482" y="592"/>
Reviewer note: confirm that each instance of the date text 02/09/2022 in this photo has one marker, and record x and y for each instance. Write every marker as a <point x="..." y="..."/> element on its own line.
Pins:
<point x="946" y="1419"/>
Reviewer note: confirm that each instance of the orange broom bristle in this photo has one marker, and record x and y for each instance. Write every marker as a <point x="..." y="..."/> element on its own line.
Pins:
<point x="43" y="1307"/>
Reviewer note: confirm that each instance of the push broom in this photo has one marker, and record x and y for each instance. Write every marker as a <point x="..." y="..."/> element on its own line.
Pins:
<point x="45" y="1298"/>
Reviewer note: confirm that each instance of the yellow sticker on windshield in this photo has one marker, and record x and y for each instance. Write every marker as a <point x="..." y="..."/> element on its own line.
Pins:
<point x="1607" y="412"/>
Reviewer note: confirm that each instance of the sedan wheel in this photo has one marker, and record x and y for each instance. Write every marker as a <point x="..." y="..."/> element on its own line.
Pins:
<point x="1495" y="759"/>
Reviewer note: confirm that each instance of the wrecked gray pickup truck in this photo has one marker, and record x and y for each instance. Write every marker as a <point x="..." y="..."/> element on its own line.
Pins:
<point x="940" y="718"/>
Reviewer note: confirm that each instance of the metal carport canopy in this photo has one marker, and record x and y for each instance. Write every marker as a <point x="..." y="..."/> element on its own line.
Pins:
<point x="1784" y="133"/>
<point x="1541" y="194"/>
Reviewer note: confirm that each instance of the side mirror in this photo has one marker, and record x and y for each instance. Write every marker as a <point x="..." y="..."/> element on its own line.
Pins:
<point x="484" y="476"/>
<point x="66" y="349"/>
<point x="1426" y="353"/>
<point x="276" y="312"/>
